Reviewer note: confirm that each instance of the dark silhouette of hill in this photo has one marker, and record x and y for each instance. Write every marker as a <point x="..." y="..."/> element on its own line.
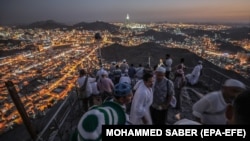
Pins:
<point x="16" y="51"/>
<point x="12" y="41"/>
<point x="49" y="24"/>
<point x="160" y="36"/>
<point x="81" y="24"/>
<point x="237" y="33"/>
<point x="199" y="32"/>
<point x="139" y="55"/>
<point x="97" y="26"/>
<point x="229" y="47"/>
<point x="234" y="33"/>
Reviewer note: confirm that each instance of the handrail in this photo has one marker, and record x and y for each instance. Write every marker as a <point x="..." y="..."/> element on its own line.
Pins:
<point x="217" y="77"/>
<point x="42" y="136"/>
<point x="200" y="95"/>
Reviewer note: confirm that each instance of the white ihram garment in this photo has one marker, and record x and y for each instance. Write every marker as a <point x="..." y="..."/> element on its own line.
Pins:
<point x="194" y="76"/>
<point x="141" y="103"/>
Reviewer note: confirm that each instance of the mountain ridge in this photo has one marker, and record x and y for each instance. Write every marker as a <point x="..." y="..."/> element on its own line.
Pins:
<point x="140" y="54"/>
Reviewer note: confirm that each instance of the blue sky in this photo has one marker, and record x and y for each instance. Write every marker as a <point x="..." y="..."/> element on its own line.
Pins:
<point x="74" y="11"/>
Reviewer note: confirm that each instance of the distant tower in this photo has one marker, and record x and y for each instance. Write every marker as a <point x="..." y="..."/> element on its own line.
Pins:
<point x="127" y="20"/>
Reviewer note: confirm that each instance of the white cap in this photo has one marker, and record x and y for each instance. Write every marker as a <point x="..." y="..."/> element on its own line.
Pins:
<point x="186" y="122"/>
<point x="161" y="69"/>
<point x="234" y="83"/>
<point x="124" y="60"/>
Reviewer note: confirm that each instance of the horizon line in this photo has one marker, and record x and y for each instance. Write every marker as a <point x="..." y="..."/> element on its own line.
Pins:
<point x="145" y="22"/>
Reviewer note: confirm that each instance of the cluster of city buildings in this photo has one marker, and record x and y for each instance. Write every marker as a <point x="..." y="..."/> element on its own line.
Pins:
<point x="46" y="73"/>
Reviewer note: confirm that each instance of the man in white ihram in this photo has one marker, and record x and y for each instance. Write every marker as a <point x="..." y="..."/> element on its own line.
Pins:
<point x="142" y="100"/>
<point x="211" y="108"/>
<point x="193" y="77"/>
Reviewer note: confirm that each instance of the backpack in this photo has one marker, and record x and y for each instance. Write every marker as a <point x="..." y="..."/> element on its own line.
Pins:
<point x="173" y="100"/>
<point x="117" y="73"/>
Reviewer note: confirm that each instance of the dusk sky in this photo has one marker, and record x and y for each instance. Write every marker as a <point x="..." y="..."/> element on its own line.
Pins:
<point x="74" y="11"/>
